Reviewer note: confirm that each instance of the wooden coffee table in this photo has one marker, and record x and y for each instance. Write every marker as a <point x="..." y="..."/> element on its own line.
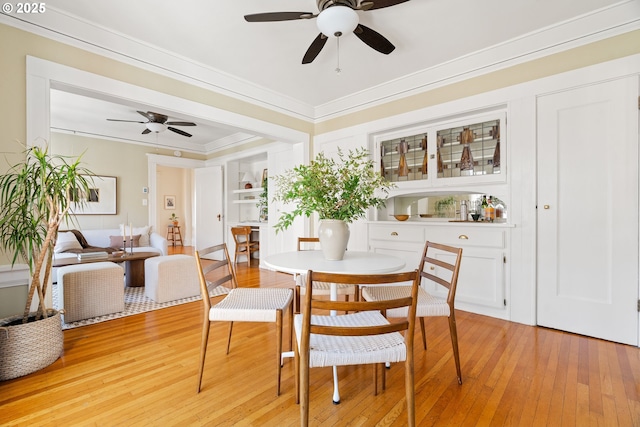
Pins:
<point x="133" y="265"/>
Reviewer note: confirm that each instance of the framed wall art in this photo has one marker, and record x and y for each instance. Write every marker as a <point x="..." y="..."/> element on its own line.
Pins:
<point x="169" y="202"/>
<point x="100" y="200"/>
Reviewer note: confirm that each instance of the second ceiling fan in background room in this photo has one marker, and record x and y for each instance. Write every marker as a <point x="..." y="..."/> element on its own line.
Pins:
<point x="157" y="122"/>
<point x="336" y="17"/>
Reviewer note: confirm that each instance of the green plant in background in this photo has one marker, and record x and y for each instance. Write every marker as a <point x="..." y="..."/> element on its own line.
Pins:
<point x="342" y="189"/>
<point x="444" y="206"/>
<point x="263" y="200"/>
<point x="35" y="199"/>
<point x="173" y="217"/>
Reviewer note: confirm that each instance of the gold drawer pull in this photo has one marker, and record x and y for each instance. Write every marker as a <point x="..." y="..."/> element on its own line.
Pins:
<point x="432" y="268"/>
<point x="463" y="237"/>
<point x="394" y="233"/>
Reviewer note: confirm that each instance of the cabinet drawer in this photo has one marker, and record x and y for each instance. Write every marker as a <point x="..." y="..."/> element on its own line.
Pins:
<point x="466" y="236"/>
<point x="393" y="233"/>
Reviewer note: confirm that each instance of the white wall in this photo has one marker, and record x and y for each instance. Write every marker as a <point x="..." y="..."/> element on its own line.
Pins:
<point x="520" y="101"/>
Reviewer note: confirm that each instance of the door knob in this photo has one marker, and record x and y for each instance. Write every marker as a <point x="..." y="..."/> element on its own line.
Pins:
<point x="546" y="206"/>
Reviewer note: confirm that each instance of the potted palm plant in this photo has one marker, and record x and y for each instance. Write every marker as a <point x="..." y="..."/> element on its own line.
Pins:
<point x="339" y="191"/>
<point x="35" y="199"/>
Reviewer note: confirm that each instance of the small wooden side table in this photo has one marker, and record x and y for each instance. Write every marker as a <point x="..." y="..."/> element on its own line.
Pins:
<point x="173" y="235"/>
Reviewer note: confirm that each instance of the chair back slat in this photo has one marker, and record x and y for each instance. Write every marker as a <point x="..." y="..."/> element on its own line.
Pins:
<point x="362" y="305"/>
<point x="352" y="331"/>
<point x="431" y="250"/>
<point x="304" y="243"/>
<point x="206" y="265"/>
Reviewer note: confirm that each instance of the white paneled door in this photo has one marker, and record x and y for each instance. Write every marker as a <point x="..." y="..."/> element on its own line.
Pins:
<point x="588" y="210"/>
<point x="209" y="221"/>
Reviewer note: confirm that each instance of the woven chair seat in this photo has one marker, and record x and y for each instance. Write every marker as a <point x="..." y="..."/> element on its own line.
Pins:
<point x="324" y="288"/>
<point x="428" y="305"/>
<point x="331" y="350"/>
<point x="251" y="305"/>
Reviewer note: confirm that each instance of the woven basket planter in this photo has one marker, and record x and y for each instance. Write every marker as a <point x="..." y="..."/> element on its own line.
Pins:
<point x="29" y="347"/>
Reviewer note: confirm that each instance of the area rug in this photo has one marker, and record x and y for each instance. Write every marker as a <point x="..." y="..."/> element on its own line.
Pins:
<point x="134" y="302"/>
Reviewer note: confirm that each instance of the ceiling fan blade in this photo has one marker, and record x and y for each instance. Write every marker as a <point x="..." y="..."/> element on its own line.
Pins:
<point x="374" y="39"/>
<point x="314" y="49"/>
<point x="277" y="16"/>
<point x="181" y="132"/>
<point x="180" y="123"/>
<point x="129" y="121"/>
<point x="146" y="115"/>
<point x="146" y="131"/>
<point x="379" y="4"/>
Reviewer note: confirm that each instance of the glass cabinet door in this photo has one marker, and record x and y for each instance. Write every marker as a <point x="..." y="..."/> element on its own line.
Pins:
<point x="469" y="149"/>
<point x="463" y="151"/>
<point x="405" y="158"/>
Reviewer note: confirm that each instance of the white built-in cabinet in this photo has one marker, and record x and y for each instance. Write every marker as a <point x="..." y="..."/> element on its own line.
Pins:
<point x="458" y="158"/>
<point x="482" y="280"/>
<point x="242" y="202"/>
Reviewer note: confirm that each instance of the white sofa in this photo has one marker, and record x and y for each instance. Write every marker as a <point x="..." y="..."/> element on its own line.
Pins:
<point x="101" y="238"/>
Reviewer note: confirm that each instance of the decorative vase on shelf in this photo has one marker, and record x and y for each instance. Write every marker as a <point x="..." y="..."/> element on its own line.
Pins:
<point x="334" y="237"/>
<point x="425" y="158"/>
<point x="403" y="168"/>
<point x="466" y="160"/>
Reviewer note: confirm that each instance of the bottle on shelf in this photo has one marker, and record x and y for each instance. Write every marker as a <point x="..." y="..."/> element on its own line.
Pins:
<point x="490" y="211"/>
<point x="483" y="206"/>
<point x="464" y="211"/>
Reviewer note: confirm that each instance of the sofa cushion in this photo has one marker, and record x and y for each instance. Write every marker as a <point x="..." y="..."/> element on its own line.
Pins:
<point x="144" y="233"/>
<point x="116" y="241"/>
<point x="66" y="241"/>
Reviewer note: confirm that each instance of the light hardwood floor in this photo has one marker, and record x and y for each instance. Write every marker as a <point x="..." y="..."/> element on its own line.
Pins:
<point x="141" y="371"/>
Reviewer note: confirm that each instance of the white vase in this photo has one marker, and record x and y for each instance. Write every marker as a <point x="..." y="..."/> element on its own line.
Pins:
<point x="334" y="236"/>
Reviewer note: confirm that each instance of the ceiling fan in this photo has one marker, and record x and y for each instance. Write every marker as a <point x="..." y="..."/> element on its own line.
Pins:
<point x="336" y="17"/>
<point x="157" y="122"/>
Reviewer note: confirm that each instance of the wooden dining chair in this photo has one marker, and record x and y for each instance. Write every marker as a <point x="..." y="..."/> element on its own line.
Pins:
<point x="321" y="288"/>
<point x="239" y="304"/>
<point x="362" y="337"/>
<point x="439" y="264"/>
<point x="244" y="245"/>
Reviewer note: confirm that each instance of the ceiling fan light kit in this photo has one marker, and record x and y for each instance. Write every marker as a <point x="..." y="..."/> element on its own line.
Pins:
<point x="156" y="127"/>
<point x="337" y="20"/>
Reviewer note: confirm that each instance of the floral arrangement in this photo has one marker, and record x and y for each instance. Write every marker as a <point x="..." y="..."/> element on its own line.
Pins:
<point x="342" y="189"/>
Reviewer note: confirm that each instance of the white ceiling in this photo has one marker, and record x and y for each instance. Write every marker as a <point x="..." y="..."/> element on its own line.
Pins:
<point x="262" y="61"/>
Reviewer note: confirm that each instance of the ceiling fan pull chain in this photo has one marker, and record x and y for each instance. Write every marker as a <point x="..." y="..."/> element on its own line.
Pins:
<point x="338" y="70"/>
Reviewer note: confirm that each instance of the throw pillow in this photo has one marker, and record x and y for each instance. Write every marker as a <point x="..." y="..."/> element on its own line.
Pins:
<point x="116" y="241"/>
<point x="144" y="233"/>
<point x="66" y="241"/>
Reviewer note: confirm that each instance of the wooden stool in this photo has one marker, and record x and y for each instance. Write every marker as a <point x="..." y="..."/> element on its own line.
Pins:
<point x="173" y="235"/>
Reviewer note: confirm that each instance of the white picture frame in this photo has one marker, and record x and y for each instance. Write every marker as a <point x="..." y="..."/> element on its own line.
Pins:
<point x="101" y="199"/>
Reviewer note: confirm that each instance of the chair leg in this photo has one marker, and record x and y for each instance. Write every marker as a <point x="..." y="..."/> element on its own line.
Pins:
<point x="375" y="379"/>
<point x="278" y="348"/>
<point x="296" y="368"/>
<point x="409" y="382"/>
<point x="454" y="342"/>
<point x="229" y="338"/>
<point x="290" y="327"/>
<point x="203" y="350"/>
<point x="383" y="376"/>
<point x="304" y="387"/>
<point x="424" y="334"/>
<point x="297" y="299"/>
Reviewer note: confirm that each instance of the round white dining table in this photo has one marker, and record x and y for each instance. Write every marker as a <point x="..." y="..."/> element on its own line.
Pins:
<point x="354" y="262"/>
